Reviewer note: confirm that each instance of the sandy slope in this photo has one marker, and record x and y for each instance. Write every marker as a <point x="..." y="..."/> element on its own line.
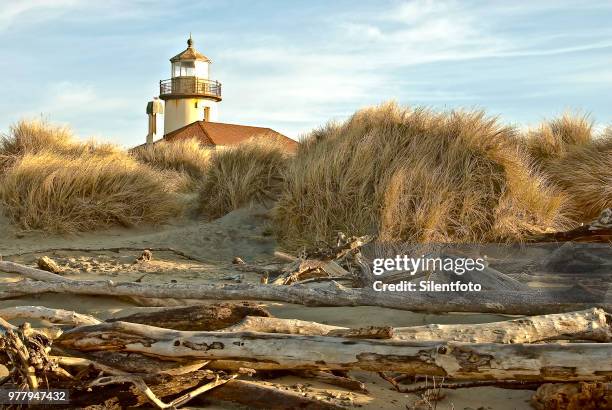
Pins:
<point x="241" y="233"/>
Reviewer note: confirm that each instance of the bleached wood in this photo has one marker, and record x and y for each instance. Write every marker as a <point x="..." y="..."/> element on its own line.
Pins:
<point x="59" y="316"/>
<point x="529" y="302"/>
<point x="474" y="361"/>
<point x="213" y="316"/>
<point x="278" y="325"/>
<point x="591" y="324"/>
<point x="32" y="273"/>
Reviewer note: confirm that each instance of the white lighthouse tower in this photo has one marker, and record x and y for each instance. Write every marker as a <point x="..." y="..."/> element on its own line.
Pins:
<point x="190" y="95"/>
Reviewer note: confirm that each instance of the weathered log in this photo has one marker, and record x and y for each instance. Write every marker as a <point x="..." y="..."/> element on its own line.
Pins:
<point x="164" y="384"/>
<point x="32" y="273"/>
<point x="130" y="363"/>
<point x="591" y="324"/>
<point x="528" y="302"/>
<point x="58" y="316"/>
<point x="581" y="234"/>
<point x="554" y="362"/>
<point x="278" y="325"/>
<point x="369" y="332"/>
<point x="116" y="250"/>
<point x="201" y="317"/>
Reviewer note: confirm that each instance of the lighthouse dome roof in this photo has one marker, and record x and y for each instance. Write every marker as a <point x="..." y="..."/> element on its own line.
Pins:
<point x="190" y="54"/>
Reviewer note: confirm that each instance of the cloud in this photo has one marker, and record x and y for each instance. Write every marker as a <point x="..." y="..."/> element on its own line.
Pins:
<point x="32" y="10"/>
<point x="295" y="70"/>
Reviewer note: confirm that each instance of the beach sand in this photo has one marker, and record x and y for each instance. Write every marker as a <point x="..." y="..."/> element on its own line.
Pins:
<point x="242" y="233"/>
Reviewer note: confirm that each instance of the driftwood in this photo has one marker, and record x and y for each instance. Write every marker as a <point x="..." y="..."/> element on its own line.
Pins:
<point x="277" y="325"/>
<point x="116" y="250"/>
<point x="32" y="273"/>
<point x="12" y="345"/>
<point x="310" y="269"/>
<point x="581" y="234"/>
<point x="248" y="393"/>
<point x="202" y="317"/>
<point x="48" y="264"/>
<point x="152" y="397"/>
<point x="528" y="302"/>
<point x="58" y="316"/>
<point x="592" y="324"/>
<point x="540" y="362"/>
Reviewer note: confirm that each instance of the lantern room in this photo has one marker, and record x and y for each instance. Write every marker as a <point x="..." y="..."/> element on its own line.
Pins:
<point x="190" y="63"/>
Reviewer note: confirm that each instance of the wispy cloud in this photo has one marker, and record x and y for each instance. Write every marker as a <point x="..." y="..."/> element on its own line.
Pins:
<point x="293" y="67"/>
<point x="32" y="10"/>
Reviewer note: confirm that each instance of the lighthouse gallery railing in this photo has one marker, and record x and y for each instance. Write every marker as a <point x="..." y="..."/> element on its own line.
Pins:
<point x="185" y="86"/>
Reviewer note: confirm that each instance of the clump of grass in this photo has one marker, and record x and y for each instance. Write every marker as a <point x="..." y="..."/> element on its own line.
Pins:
<point x="47" y="191"/>
<point x="585" y="174"/>
<point x="415" y="175"/>
<point x="34" y="136"/>
<point x="555" y="138"/>
<point x="246" y="173"/>
<point x="51" y="182"/>
<point x="187" y="157"/>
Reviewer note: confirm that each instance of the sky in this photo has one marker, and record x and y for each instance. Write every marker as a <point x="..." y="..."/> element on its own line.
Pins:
<point x="295" y="65"/>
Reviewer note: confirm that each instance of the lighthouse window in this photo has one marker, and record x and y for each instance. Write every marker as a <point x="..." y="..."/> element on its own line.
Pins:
<point x="187" y="68"/>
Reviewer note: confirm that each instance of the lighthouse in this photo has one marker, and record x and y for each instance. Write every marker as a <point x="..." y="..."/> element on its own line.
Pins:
<point x="189" y="101"/>
<point x="190" y="94"/>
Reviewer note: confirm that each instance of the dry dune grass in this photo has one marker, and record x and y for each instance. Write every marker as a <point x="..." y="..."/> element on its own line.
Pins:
<point x="187" y="157"/>
<point x="237" y="176"/>
<point x="585" y="173"/>
<point x="415" y="175"/>
<point x="555" y="138"/>
<point x="577" y="161"/>
<point x="52" y="183"/>
<point x="34" y="136"/>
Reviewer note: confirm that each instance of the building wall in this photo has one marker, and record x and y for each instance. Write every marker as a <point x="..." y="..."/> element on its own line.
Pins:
<point x="184" y="111"/>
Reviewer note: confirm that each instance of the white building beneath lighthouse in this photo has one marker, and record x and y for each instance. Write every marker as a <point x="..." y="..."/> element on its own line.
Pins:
<point x="190" y="107"/>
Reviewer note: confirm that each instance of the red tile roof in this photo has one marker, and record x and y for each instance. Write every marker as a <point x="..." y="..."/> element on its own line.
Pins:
<point x="218" y="133"/>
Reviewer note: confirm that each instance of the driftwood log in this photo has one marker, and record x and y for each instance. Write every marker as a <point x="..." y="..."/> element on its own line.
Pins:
<point x="201" y="317"/>
<point x="581" y="234"/>
<point x="539" y="362"/>
<point x="529" y="302"/>
<point x="32" y="273"/>
<point x="58" y="316"/>
<point x="591" y="324"/>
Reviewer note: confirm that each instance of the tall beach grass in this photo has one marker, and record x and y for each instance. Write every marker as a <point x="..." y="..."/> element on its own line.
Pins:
<point x="186" y="157"/>
<point x="250" y="172"/>
<point x="415" y="175"/>
<point x="51" y="182"/>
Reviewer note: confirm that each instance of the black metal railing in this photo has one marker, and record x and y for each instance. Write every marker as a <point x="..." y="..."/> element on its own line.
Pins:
<point x="183" y="86"/>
